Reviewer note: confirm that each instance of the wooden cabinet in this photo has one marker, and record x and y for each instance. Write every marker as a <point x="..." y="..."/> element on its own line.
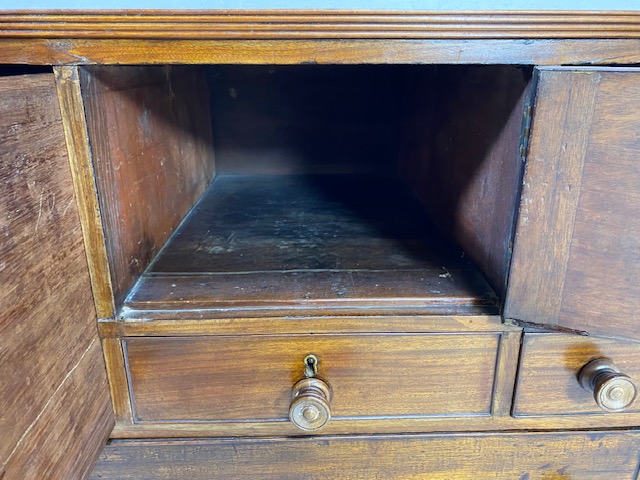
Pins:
<point x="448" y="228"/>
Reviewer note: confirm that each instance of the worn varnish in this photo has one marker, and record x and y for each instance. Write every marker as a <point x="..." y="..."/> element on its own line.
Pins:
<point x="72" y="51"/>
<point x="309" y="243"/>
<point x="75" y="129"/>
<point x="534" y="456"/>
<point x="548" y="373"/>
<point x="249" y="378"/>
<point x="577" y="252"/>
<point x="55" y="406"/>
<point x="150" y="136"/>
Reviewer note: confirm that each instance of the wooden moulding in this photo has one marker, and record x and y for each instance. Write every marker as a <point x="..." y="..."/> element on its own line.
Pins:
<point x="165" y="325"/>
<point x="75" y="129"/>
<point x="118" y="383"/>
<point x="376" y="426"/>
<point x="306" y="24"/>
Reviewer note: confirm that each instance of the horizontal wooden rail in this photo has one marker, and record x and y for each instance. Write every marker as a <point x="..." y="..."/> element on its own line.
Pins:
<point x="317" y="24"/>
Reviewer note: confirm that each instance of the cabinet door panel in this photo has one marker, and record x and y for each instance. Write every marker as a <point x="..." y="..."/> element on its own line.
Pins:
<point x="576" y="260"/>
<point x="55" y="411"/>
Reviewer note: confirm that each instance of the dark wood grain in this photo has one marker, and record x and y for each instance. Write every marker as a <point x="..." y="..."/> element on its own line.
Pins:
<point x="461" y="156"/>
<point x="535" y="456"/>
<point x="577" y="255"/>
<point x="260" y="243"/>
<point x="55" y="404"/>
<point x="150" y="136"/>
<point x="249" y="378"/>
<point x="548" y="373"/>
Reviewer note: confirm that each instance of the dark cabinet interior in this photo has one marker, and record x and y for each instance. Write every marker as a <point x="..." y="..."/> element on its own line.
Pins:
<point x="262" y="190"/>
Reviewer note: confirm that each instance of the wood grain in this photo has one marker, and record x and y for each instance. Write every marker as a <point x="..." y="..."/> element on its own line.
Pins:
<point x="506" y="369"/>
<point x="305" y="24"/>
<point x="54" y="395"/>
<point x="461" y="156"/>
<point x="167" y="324"/>
<point x="150" y="135"/>
<point x="379" y="426"/>
<point x="70" y="51"/>
<point x="535" y="456"/>
<point x="118" y="383"/>
<point x="69" y="433"/>
<point x="75" y="129"/>
<point x="548" y="374"/>
<point x="576" y="258"/>
<point x="264" y="244"/>
<point x="250" y="378"/>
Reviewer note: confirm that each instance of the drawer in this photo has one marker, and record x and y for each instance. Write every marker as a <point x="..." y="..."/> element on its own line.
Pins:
<point x="548" y="375"/>
<point x="250" y="378"/>
<point x="473" y="456"/>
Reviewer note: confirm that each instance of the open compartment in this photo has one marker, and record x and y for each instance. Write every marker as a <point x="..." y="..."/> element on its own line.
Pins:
<point x="312" y="189"/>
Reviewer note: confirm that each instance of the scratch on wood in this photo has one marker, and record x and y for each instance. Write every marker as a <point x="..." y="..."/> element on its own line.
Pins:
<point x="39" y="210"/>
<point x="46" y="405"/>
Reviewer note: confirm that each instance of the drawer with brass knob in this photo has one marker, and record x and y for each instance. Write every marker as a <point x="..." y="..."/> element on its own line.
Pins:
<point x="309" y="383"/>
<point x="562" y="374"/>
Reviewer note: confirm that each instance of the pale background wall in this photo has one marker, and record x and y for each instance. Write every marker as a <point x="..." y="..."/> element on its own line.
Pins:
<point x="332" y="4"/>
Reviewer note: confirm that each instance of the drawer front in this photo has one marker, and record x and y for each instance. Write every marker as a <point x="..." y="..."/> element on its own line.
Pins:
<point x="548" y="374"/>
<point x="249" y="378"/>
<point x="495" y="456"/>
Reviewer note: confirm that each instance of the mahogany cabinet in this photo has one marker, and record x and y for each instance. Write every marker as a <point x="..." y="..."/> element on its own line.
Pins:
<point x="402" y="252"/>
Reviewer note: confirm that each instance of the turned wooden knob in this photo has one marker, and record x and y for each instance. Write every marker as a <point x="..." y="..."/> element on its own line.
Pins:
<point x="613" y="390"/>
<point x="310" y="407"/>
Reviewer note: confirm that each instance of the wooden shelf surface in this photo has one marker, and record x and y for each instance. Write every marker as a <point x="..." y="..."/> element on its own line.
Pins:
<point x="316" y="244"/>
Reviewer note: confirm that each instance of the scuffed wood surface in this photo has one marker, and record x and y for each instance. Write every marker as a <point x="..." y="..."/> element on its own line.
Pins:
<point x="548" y="373"/>
<point x="75" y="129"/>
<point x="150" y="136"/>
<point x="533" y="456"/>
<point x="271" y="243"/>
<point x="55" y="409"/>
<point x="576" y="258"/>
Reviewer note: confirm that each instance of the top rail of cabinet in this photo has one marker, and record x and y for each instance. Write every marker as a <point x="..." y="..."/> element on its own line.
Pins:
<point x="319" y="36"/>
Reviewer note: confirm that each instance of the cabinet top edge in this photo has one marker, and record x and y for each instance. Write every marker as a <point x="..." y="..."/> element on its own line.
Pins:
<point x="318" y="24"/>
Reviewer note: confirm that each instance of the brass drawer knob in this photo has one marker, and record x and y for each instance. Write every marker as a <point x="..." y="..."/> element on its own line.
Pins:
<point x="310" y="407"/>
<point x="613" y="390"/>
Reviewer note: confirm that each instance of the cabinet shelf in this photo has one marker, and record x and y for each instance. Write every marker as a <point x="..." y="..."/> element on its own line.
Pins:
<point x="310" y="244"/>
